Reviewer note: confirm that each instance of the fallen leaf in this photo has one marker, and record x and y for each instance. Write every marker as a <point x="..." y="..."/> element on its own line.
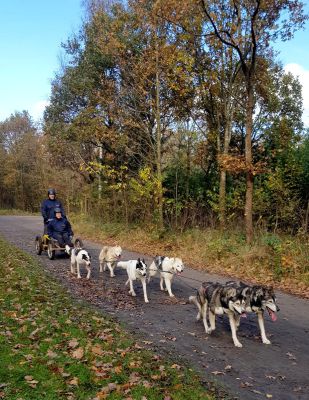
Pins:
<point x="97" y="350"/>
<point x="73" y="343"/>
<point x="78" y="353"/>
<point x="52" y="354"/>
<point x="74" y="381"/>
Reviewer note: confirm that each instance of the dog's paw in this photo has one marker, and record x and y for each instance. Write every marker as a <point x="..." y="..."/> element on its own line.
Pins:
<point x="266" y="341"/>
<point x="237" y="344"/>
<point x="208" y="331"/>
<point x="146" y="301"/>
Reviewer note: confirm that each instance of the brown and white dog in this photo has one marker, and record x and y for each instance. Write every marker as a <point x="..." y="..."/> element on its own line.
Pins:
<point x="109" y="256"/>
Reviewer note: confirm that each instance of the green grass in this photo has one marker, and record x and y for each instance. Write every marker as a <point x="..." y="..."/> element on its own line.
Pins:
<point x="52" y="348"/>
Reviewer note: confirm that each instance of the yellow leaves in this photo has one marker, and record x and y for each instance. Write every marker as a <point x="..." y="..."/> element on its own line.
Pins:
<point x="118" y="369"/>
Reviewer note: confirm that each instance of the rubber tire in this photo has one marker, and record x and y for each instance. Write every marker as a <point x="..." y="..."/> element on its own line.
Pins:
<point x="50" y="253"/>
<point x="38" y="245"/>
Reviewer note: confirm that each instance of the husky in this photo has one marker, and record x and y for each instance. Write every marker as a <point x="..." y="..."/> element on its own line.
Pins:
<point x="136" y="269"/>
<point x="218" y="299"/>
<point x="258" y="300"/>
<point x="166" y="267"/>
<point x="78" y="257"/>
<point x="109" y="256"/>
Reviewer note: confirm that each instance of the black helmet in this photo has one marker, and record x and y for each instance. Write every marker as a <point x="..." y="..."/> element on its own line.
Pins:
<point x="51" y="191"/>
<point x="57" y="210"/>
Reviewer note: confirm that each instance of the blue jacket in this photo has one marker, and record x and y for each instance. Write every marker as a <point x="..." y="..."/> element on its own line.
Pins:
<point x="61" y="225"/>
<point x="48" y="209"/>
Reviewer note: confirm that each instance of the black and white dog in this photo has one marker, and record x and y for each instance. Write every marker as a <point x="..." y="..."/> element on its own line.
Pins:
<point x="219" y="299"/>
<point x="136" y="269"/>
<point x="166" y="267"/>
<point x="79" y="256"/>
<point x="258" y="300"/>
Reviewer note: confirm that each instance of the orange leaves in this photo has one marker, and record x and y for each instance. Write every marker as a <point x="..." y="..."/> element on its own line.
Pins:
<point x="237" y="165"/>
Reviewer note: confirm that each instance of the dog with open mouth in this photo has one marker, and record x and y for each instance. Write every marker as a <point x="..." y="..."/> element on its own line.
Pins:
<point x="258" y="300"/>
<point x="108" y="257"/>
<point x="166" y="267"/>
<point x="218" y="299"/>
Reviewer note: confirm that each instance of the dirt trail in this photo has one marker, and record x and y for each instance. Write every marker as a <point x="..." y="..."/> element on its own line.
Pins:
<point x="256" y="371"/>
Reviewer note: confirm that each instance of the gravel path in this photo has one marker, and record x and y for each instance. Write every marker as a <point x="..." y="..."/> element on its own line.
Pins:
<point x="278" y="371"/>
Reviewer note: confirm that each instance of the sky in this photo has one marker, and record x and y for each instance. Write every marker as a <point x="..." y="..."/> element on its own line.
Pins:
<point x="31" y="32"/>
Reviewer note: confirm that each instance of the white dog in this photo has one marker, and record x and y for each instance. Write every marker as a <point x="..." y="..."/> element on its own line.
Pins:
<point x="108" y="257"/>
<point x="136" y="269"/>
<point x="79" y="257"/>
<point x="167" y="268"/>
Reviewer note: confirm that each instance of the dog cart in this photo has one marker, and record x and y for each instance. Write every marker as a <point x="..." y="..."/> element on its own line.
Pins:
<point x="45" y="243"/>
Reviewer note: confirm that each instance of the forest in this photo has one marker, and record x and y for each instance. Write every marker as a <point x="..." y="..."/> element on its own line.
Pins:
<point x="172" y="115"/>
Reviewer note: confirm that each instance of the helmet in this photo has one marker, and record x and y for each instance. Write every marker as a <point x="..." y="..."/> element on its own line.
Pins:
<point x="57" y="210"/>
<point x="51" y="191"/>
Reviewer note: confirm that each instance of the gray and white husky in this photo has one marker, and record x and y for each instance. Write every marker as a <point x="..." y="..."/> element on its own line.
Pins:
<point x="258" y="300"/>
<point x="219" y="299"/>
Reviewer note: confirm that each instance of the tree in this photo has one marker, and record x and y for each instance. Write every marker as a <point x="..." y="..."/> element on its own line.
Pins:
<point x="249" y="34"/>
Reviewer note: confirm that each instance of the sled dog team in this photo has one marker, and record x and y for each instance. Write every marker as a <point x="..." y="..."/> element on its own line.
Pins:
<point x="235" y="299"/>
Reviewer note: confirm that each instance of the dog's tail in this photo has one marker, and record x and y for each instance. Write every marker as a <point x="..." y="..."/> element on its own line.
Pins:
<point x="122" y="264"/>
<point x="68" y="249"/>
<point x="193" y="300"/>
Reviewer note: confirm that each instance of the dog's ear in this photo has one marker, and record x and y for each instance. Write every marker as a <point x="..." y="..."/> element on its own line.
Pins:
<point x="138" y="260"/>
<point x="144" y="261"/>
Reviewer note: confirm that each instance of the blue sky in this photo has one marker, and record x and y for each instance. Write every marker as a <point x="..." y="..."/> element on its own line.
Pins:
<point x="31" y="32"/>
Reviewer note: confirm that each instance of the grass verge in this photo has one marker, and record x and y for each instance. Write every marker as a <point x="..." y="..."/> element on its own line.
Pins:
<point x="278" y="260"/>
<point x="52" y="348"/>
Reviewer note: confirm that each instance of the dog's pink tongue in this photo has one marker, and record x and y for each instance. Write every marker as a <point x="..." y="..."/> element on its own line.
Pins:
<point x="272" y="315"/>
<point x="243" y="315"/>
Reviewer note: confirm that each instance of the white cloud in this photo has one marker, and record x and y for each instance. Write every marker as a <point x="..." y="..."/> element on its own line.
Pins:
<point x="37" y="109"/>
<point x="303" y="75"/>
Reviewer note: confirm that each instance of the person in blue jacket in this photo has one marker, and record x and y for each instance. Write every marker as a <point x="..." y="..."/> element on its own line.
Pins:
<point x="48" y="207"/>
<point x="60" y="229"/>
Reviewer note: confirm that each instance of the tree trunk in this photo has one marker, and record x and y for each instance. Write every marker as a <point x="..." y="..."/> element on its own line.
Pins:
<point x="226" y="144"/>
<point x="249" y="173"/>
<point x="159" y="155"/>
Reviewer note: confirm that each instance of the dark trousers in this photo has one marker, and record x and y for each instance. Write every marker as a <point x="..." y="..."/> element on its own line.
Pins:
<point x="62" y="238"/>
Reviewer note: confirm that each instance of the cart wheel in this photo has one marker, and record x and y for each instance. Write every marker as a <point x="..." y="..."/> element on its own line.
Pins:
<point x="50" y="251"/>
<point x="38" y="245"/>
